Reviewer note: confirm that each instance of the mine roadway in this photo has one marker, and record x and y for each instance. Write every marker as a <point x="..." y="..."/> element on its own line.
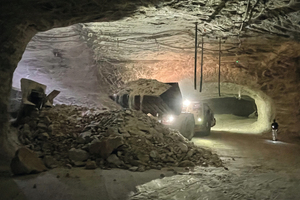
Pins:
<point x="255" y="167"/>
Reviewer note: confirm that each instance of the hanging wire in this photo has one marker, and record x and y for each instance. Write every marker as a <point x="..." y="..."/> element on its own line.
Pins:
<point x="201" y="76"/>
<point x="219" y="78"/>
<point x="195" y="70"/>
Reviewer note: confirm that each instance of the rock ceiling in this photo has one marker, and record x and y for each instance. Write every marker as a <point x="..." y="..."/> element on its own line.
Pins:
<point x="170" y="27"/>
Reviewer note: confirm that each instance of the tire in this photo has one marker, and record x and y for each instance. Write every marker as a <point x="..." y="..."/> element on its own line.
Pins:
<point x="207" y="128"/>
<point x="185" y="123"/>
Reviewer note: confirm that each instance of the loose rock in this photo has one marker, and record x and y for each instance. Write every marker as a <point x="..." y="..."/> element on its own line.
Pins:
<point x="78" y="154"/>
<point x="91" y="165"/>
<point x="117" y="138"/>
<point x="186" y="163"/>
<point x="106" y="146"/>
<point x="113" y="159"/>
<point x="26" y="162"/>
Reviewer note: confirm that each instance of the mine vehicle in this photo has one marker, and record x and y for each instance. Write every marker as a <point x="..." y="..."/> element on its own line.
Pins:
<point x="164" y="101"/>
<point x="32" y="96"/>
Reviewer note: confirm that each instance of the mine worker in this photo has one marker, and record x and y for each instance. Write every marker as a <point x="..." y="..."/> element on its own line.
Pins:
<point x="274" y="127"/>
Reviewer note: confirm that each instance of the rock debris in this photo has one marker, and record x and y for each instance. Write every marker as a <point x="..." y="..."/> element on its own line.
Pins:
<point x="76" y="136"/>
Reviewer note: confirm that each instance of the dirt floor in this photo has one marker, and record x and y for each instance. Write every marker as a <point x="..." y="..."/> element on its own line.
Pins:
<point x="235" y="124"/>
<point x="255" y="168"/>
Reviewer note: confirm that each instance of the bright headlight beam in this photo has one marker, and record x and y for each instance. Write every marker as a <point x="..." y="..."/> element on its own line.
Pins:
<point x="186" y="103"/>
<point x="199" y="119"/>
<point x="170" y="118"/>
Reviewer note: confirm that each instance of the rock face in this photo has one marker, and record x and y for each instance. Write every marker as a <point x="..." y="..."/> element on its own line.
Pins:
<point x="119" y="138"/>
<point x="26" y="162"/>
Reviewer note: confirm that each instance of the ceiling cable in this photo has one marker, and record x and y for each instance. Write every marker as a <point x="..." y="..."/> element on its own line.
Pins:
<point x="219" y="78"/>
<point x="195" y="70"/>
<point x="201" y="76"/>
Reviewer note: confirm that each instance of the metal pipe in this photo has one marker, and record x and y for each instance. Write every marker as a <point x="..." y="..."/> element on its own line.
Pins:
<point x="219" y="79"/>
<point x="195" y="70"/>
<point x="201" y="76"/>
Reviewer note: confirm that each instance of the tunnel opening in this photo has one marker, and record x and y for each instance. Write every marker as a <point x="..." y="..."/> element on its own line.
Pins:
<point x="239" y="109"/>
<point x="233" y="113"/>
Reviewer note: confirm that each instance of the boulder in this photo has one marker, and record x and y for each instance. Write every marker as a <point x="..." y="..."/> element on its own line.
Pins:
<point x="112" y="131"/>
<point x="91" y="165"/>
<point x="42" y="126"/>
<point x="153" y="154"/>
<point x="141" y="168"/>
<point x="142" y="156"/>
<point x="26" y="128"/>
<point x="26" y="162"/>
<point x="26" y="131"/>
<point x="44" y="136"/>
<point x="84" y="137"/>
<point x="78" y="155"/>
<point x="113" y="159"/>
<point x="106" y="146"/>
<point x="79" y="164"/>
<point x="50" y="162"/>
<point x="183" y="147"/>
<point x="133" y="169"/>
<point x="47" y="120"/>
<point x="190" y="153"/>
<point x="186" y="163"/>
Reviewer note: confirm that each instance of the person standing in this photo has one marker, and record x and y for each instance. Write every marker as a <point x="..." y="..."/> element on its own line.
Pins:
<point x="274" y="127"/>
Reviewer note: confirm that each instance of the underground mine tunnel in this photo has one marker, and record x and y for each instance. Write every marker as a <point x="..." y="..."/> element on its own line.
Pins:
<point x="241" y="58"/>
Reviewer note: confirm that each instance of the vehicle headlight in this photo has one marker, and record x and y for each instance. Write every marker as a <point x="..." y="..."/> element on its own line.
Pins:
<point x="170" y="118"/>
<point x="186" y="103"/>
<point x="199" y="119"/>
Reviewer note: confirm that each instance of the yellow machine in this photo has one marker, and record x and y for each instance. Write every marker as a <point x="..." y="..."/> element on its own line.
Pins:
<point x="164" y="101"/>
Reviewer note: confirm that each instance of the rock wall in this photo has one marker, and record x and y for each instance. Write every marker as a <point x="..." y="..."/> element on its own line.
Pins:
<point x="60" y="60"/>
<point x="13" y="42"/>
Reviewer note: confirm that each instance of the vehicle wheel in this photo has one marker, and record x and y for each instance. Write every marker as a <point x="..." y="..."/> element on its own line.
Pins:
<point x="213" y="123"/>
<point x="207" y="128"/>
<point x="185" y="123"/>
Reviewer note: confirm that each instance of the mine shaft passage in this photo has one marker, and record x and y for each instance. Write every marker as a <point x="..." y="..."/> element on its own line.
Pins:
<point x="238" y="109"/>
<point x="233" y="114"/>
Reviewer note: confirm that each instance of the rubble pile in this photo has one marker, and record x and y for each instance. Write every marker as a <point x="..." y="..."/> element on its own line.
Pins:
<point x="77" y="136"/>
<point x="145" y="86"/>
